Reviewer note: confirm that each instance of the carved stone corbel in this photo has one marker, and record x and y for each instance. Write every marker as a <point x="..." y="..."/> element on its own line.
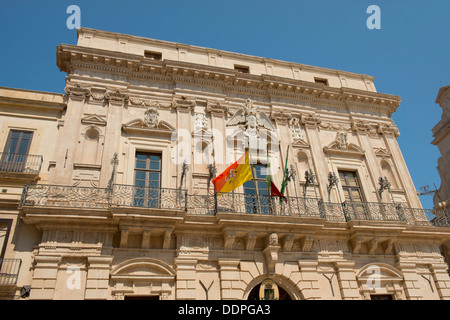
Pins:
<point x="229" y="238"/>
<point x="356" y="243"/>
<point x="288" y="242"/>
<point x="167" y="238"/>
<point x="251" y="241"/>
<point x="373" y="245"/>
<point x="271" y="252"/>
<point x="307" y="243"/>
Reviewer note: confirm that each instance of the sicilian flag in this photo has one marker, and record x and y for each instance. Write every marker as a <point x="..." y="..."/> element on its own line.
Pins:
<point x="234" y="176"/>
<point x="272" y="187"/>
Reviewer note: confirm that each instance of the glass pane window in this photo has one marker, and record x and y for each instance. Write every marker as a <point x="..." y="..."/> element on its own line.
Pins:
<point x="147" y="180"/>
<point x="15" y="153"/>
<point x="351" y="186"/>
<point x="256" y="191"/>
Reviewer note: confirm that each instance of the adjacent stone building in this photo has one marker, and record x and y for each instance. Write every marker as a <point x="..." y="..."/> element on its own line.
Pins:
<point x="121" y="205"/>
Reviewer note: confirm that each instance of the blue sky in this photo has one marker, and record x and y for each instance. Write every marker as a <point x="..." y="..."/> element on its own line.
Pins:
<point x="408" y="56"/>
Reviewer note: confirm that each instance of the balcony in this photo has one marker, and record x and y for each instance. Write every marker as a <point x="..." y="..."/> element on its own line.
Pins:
<point x="20" y="166"/>
<point x="9" y="271"/>
<point x="128" y="196"/>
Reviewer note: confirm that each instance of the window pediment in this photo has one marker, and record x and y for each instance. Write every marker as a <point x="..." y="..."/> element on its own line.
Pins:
<point x="139" y="126"/>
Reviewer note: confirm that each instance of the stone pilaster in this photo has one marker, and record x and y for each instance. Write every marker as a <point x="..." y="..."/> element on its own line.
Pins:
<point x="97" y="281"/>
<point x="441" y="280"/>
<point x="230" y="280"/>
<point x="309" y="284"/>
<point x="43" y="284"/>
<point x="186" y="278"/>
<point x="116" y="102"/>
<point x="347" y="280"/>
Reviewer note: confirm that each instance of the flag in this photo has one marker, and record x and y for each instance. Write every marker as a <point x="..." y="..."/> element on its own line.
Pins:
<point x="234" y="176"/>
<point x="273" y="188"/>
<point x="283" y="185"/>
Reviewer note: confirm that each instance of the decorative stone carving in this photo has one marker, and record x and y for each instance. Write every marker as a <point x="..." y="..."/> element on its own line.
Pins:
<point x="342" y="140"/>
<point x="77" y="91"/>
<point x="388" y="130"/>
<point x="281" y="116"/>
<point x="216" y="108"/>
<point x="296" y="130"/>
<point x="116" y="96"/>
<point x="273" y="239"/>
<point x="151" y="117"/>
<point x="183" y="104"/>
<point x="250" y="121"/>
<point x="310" y="120"/>
<point x="200" y="121"/>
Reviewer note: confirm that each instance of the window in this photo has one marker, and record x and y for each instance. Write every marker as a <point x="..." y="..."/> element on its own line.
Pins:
<point x="257" y="192"/>
<point x="242" y="69"/>
<point x="321" y="81"/>
<point x="15" y="154"/>
<point x="147" y="180"/>
<point x="153" y="55"/>
<point x="350" y="185"/>
<point x="381" y="297"/>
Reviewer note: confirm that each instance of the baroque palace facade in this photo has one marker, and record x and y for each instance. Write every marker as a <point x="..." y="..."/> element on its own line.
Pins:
<point x="106" y="189"/>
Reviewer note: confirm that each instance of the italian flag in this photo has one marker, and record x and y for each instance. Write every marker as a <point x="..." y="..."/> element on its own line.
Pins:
<point x="273" y="188"/>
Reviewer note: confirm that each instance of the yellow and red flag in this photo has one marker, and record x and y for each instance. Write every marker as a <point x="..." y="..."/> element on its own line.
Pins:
<point x="234" y="176"/>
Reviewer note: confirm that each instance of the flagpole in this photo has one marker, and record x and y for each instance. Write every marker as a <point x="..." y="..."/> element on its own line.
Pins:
<point x="247" y="149"/>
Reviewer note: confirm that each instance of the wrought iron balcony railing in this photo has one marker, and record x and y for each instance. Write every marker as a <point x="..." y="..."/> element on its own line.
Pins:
<point x="9" y="271"/>
<point x="20" y="163"/>
<point x="176" y="199"/>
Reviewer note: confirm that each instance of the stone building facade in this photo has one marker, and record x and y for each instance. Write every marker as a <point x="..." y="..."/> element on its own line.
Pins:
<point x="121" y="206"/>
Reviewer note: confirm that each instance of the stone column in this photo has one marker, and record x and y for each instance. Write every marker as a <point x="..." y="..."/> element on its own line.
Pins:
<point x="347" y="280"/>
<point x="45" y="273"/>
<point x="97" y="281"/>
<point x="186" y="278"/>
<point x="230" y="280"/>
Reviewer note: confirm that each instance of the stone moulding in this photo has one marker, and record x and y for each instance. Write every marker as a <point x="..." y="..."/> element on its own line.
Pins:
<point x="69" y="56"/>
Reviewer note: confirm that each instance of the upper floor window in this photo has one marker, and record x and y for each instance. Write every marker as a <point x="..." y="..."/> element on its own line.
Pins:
<point x="18" y="142"/>
<point x="257" y="192"/>
<point x="242" y="69"/>
<point x="153" y="55"/>
<point x="321" y="81"/>
<point x="351" y="186"/>
<point x="15" y="153"/>
<point x="147" y="180"/>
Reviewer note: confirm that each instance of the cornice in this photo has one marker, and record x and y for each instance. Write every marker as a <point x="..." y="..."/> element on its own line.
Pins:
<point x="69" y="57"/>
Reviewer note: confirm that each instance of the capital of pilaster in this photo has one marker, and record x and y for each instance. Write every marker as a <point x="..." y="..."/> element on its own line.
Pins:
<point x="216" y="109"/>
<point x="77" y="92"/>
<point x="183" y="105"/>
<point x="310" y="120"/>
<point x="117" y="97"/>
